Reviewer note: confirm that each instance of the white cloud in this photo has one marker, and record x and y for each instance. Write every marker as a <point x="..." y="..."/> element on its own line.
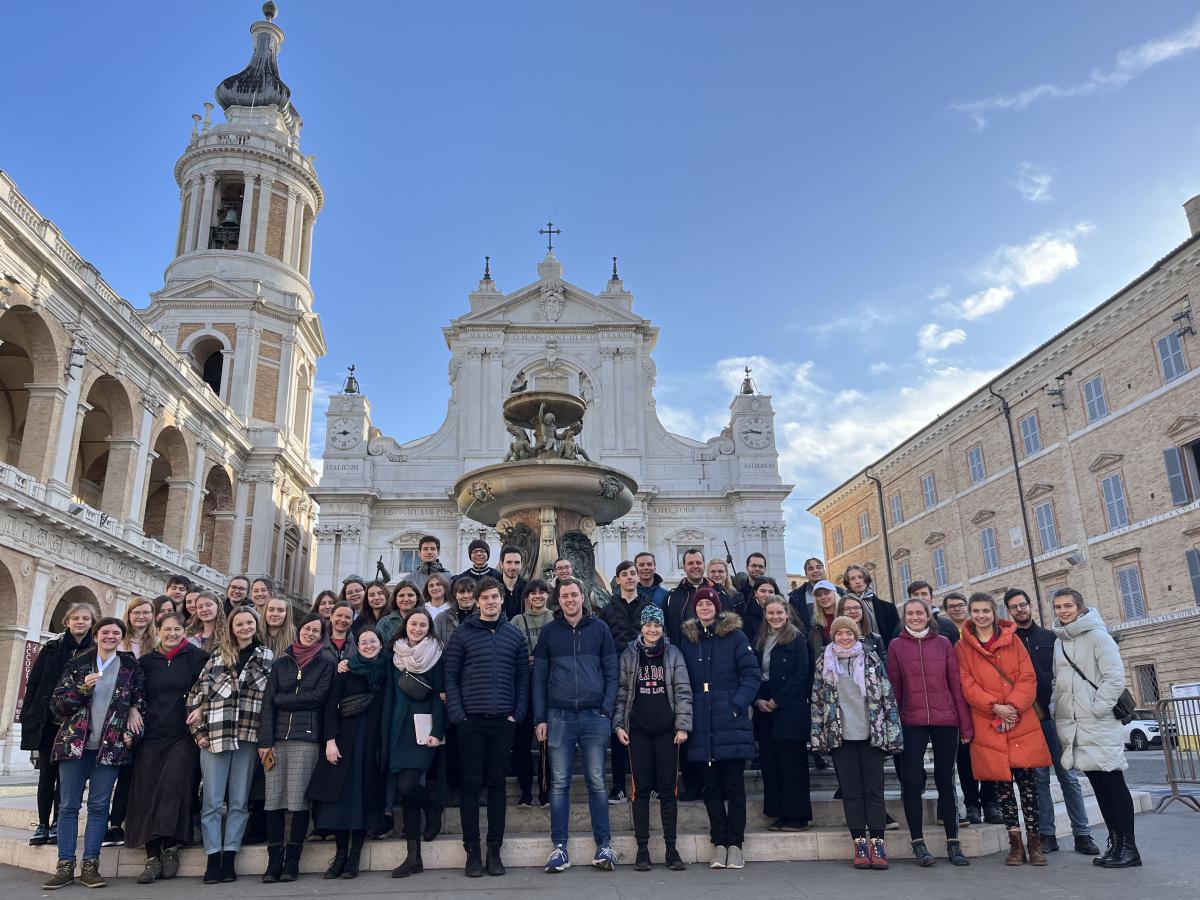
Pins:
<point x="939" y="293"/>
<point x="1039" y="260"/>
<point x="879" y="368"/>
<point x="987" y="301"/>
<point x="864" y="321"/>
<point x="1033" y="182"/>
<point x="933" y="337"/>
<point x="1130" y="63"/>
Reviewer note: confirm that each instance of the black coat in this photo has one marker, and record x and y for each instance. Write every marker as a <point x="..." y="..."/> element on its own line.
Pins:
<point x="167" y="684"/>
<point x="43" y="679"/>
<point x="487" y="671"/>
<point x="887" y="618"/>
<point x="328" y="781"/>
<point x="799" y="600"/>
<point x="678" y="608"/>
<point x="1040" y="644"/>
<point x="514" y="603"/>
<point x="623" y="619"/>
<point x="790" y="685"/>
<point x="293" y="707"/>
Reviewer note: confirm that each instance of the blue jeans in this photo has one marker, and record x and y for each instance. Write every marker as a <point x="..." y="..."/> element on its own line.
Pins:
<point x="1072" y="795"/>
<point x="227" y="776"/>
<point x="589" y="732"/>
<point x="73" y="775"/>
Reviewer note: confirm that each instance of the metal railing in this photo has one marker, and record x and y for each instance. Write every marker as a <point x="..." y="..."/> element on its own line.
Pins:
<point x="1179" y="725"/>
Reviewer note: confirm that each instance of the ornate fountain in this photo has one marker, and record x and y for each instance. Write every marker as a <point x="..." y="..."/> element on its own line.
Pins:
<point x="547" y="496"/>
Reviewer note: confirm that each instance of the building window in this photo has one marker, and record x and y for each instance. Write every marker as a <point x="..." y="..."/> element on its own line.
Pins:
<point x="897" y="509"/>
<point x="929" y="490"/>
<point x="1031" y="434"/>
<point x="1047" y="531"/>
<point x="864" y="526"/>
<point x="991" y="556"/>
<point x="975" y="464"/>
<point x="941" y="579"/>
<point x="837" y="541"/>
<point x="1145" y="678"/>
<point x="905" y="577"/>
<point x="407" y="559"/>
<point x="1129" y="584"/>
<point x="1170" y="355"/>
<point x="1182" y="474"/>
<point x="1093" y="398"/>
<point x="1193" y="561"/>
<point x="1115" y="509"/>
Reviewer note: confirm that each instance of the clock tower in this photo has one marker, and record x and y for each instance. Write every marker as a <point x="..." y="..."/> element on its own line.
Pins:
<point x="752" y="419"/>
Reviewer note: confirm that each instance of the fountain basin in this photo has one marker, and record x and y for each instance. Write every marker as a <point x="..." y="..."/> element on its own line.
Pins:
<point x="493" y="492"/>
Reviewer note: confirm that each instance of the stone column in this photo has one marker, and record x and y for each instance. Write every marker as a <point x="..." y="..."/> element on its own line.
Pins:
<point x="609" y="388"/>
<point x="43" y="421"/>
<point x="206" y="211"/>
<point x="137" y="495"/>
<point x="265" y="183"/>
<point x="289" y="221"/>
<point x="237" y="536"/>
<point x="245" y="215"/>
<point x="297" y="232"/>
<point x="193" y="213"/>
<point x="285" y="398"/>
<point x="262" y="527"/>
<point x="227" y="357"/>
<point x="197" y="498"/>
<point x="69" y="423"/>
<point x="118" y="476"/>
<point x="306" y="247"/>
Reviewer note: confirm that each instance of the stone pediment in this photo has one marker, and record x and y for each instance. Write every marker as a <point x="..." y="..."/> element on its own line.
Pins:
<point x="1105" y="461"/>
<point x="902" y="553"/>
<point x="1182" y="426"/>
<point x="984" y="515"/>
<point x="935" y="537"/>
<point x="214" y="288"/>
<point x="554" y="303"/>
<point x="1038" y="490"/>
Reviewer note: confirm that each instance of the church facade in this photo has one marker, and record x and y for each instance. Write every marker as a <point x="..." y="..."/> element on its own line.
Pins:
<point x="378" y="494"/>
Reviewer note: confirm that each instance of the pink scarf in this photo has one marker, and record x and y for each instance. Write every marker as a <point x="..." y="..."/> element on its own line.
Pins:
<point x="857" y="663"/>
<point x="418" y="659"/>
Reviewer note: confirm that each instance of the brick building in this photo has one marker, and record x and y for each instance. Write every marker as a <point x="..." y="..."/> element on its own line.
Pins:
<point x="1076" y="466"/>
<point x="136" y="444"/>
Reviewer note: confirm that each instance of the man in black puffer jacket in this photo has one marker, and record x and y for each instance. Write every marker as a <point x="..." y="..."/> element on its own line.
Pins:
<point x="487" y="693"/>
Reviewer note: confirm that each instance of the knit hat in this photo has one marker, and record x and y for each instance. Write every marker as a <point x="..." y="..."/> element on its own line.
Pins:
<point x="844" y="622"/>
<point x="706" y="593"/>
<point x="653" y="614"/>
<point x="478" y="544"/>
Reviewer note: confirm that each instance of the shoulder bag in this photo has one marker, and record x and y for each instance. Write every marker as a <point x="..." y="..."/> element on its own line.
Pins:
<point x="1123" y="710"/>
<point x="415" y="687"/>
<point x="353" y="705"/>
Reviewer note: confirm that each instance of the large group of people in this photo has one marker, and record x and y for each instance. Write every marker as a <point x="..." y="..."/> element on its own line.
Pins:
<point x="382" y="705"/>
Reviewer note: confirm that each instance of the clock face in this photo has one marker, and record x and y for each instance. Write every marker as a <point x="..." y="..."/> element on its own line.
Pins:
<point x="344" y="433"/>
<point x="756" y="432"/>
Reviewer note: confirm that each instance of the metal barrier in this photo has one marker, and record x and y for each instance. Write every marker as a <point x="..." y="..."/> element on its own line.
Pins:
<point x="1179" y="725"/>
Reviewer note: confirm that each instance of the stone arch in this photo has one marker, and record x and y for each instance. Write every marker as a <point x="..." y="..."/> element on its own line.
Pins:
<point x="683" y="539"/>
<point x="541" y="373"/>
<point x="105" y="447"/>
<point x="75" y="593"/>
<point x="210" y="354"/>
<point x="31" y="370"/>
<point x="303" y="400"/>
<point x="216" y="520"/>
<point x="167" y="488"/>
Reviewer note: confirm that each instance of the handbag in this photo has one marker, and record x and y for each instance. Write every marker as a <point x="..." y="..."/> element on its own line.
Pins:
<point x="354" y="705"/>
<point x="415" y="687"/>
<point x="1124" y="707"/>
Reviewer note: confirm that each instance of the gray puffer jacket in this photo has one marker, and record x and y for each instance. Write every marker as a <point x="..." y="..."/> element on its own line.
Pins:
<point x="1092" y="738"/>
<point x="679" y="686"/>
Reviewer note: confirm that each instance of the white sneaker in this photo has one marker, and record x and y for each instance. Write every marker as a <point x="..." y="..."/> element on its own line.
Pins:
<point x="735" y="860"/>
<point x="720" y="857"/>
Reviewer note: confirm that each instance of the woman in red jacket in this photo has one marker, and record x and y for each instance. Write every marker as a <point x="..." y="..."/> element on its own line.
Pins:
<point x="923" y="669"/>
<point x="1001" y="687"/>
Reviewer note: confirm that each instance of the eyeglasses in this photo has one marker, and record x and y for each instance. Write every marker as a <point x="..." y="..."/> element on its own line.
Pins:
<point x="956" y="606"/>
<point x="1022" y="605"/>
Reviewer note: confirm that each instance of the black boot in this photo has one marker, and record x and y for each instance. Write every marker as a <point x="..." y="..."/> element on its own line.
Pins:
<point x="337" y="865"/>
<point x="1049" y="843"/>
<point x="352" y="860"/>
<point x="642" y="862"/>
<point x="674" y="861"/>
<point x="922" y="855"/>
<point x="291" y="862"/>
<point x="412" y="864"/>
<point x="954" y="853"/>
<point x="274" y="863"/>
<point x="212" y="872"/>
<point x="433" y="822"/>
<point x="494" y="865"/>
<point x="474" y="867"/>
<point x="992" y="815"/>
<point x="1085" y="845"/>
<point x="1125" y="853"/>
<point x="228" y="866"/>
<point x="1108" y="851"/>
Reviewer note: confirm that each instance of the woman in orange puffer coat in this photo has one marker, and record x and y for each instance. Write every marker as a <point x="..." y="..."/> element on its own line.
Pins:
<point x="1000" y="686"/>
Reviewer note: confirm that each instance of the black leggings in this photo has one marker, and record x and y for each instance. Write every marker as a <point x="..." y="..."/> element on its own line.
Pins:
<point x="1114" y="800"/>
<point x="860" y="774"/>
<point x="349" y="841"/>
<point x="47" y="791"/>
<point x="413" y="798"/>
<point x="945" y="752"/>
<point x="725" y="801"/>
<point x="1027" y="785"/>
<point x="654" y="762"/>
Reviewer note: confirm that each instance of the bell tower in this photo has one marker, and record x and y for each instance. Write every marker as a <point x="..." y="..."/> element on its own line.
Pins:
<point x="236" y="302"/>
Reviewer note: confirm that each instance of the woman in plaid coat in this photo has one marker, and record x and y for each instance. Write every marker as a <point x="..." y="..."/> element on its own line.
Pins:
<point x="224" y="711"/>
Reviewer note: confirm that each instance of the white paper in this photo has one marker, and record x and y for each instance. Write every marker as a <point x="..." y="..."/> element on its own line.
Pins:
<point x="423" y="725"/>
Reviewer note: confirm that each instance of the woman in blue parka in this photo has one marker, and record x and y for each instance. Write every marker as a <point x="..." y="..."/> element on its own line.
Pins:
<point x="725" y="680"/>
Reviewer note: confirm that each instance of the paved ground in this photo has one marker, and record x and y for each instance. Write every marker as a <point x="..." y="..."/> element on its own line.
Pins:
<point x="1168" y="843"/>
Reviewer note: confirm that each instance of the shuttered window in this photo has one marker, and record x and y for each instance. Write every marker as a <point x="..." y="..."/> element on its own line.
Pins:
<point x="1115" y="509"/>
<point x="991" y="556"/>
<point x="1170" y="354"/>
<point x="1129" y="584"/>
<point x="1093" y="396"/>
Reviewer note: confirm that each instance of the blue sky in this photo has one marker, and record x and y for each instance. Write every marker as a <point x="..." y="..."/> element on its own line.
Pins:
<point x="874" y="206"/>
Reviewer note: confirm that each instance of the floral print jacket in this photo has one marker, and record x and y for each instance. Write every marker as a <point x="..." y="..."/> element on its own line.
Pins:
<point x="883" y="716"/>
<point x="72" y="705"/>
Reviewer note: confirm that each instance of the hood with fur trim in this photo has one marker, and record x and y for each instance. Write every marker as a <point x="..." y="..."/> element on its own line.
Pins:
<point x="727" y="623"/>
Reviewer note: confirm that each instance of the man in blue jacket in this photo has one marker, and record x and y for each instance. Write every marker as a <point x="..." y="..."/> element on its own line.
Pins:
<point x="649" y="584"/>
<point x="574" y="693"/>
<point x="487" y="693"/>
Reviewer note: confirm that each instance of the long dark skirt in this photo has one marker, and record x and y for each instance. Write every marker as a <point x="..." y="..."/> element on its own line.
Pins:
<point x="785" y="774"/>
<point x="354" y="809"/>
<point x="162" y="791"/>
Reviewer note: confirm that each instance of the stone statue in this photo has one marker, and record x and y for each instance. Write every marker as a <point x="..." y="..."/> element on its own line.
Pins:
<point x="569" y="448"/>
<point x="520" y="448"/>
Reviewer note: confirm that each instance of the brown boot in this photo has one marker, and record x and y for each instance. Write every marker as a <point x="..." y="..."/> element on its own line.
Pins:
<point x="1036" y="856"/>
<point x="1016" y="850"/>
